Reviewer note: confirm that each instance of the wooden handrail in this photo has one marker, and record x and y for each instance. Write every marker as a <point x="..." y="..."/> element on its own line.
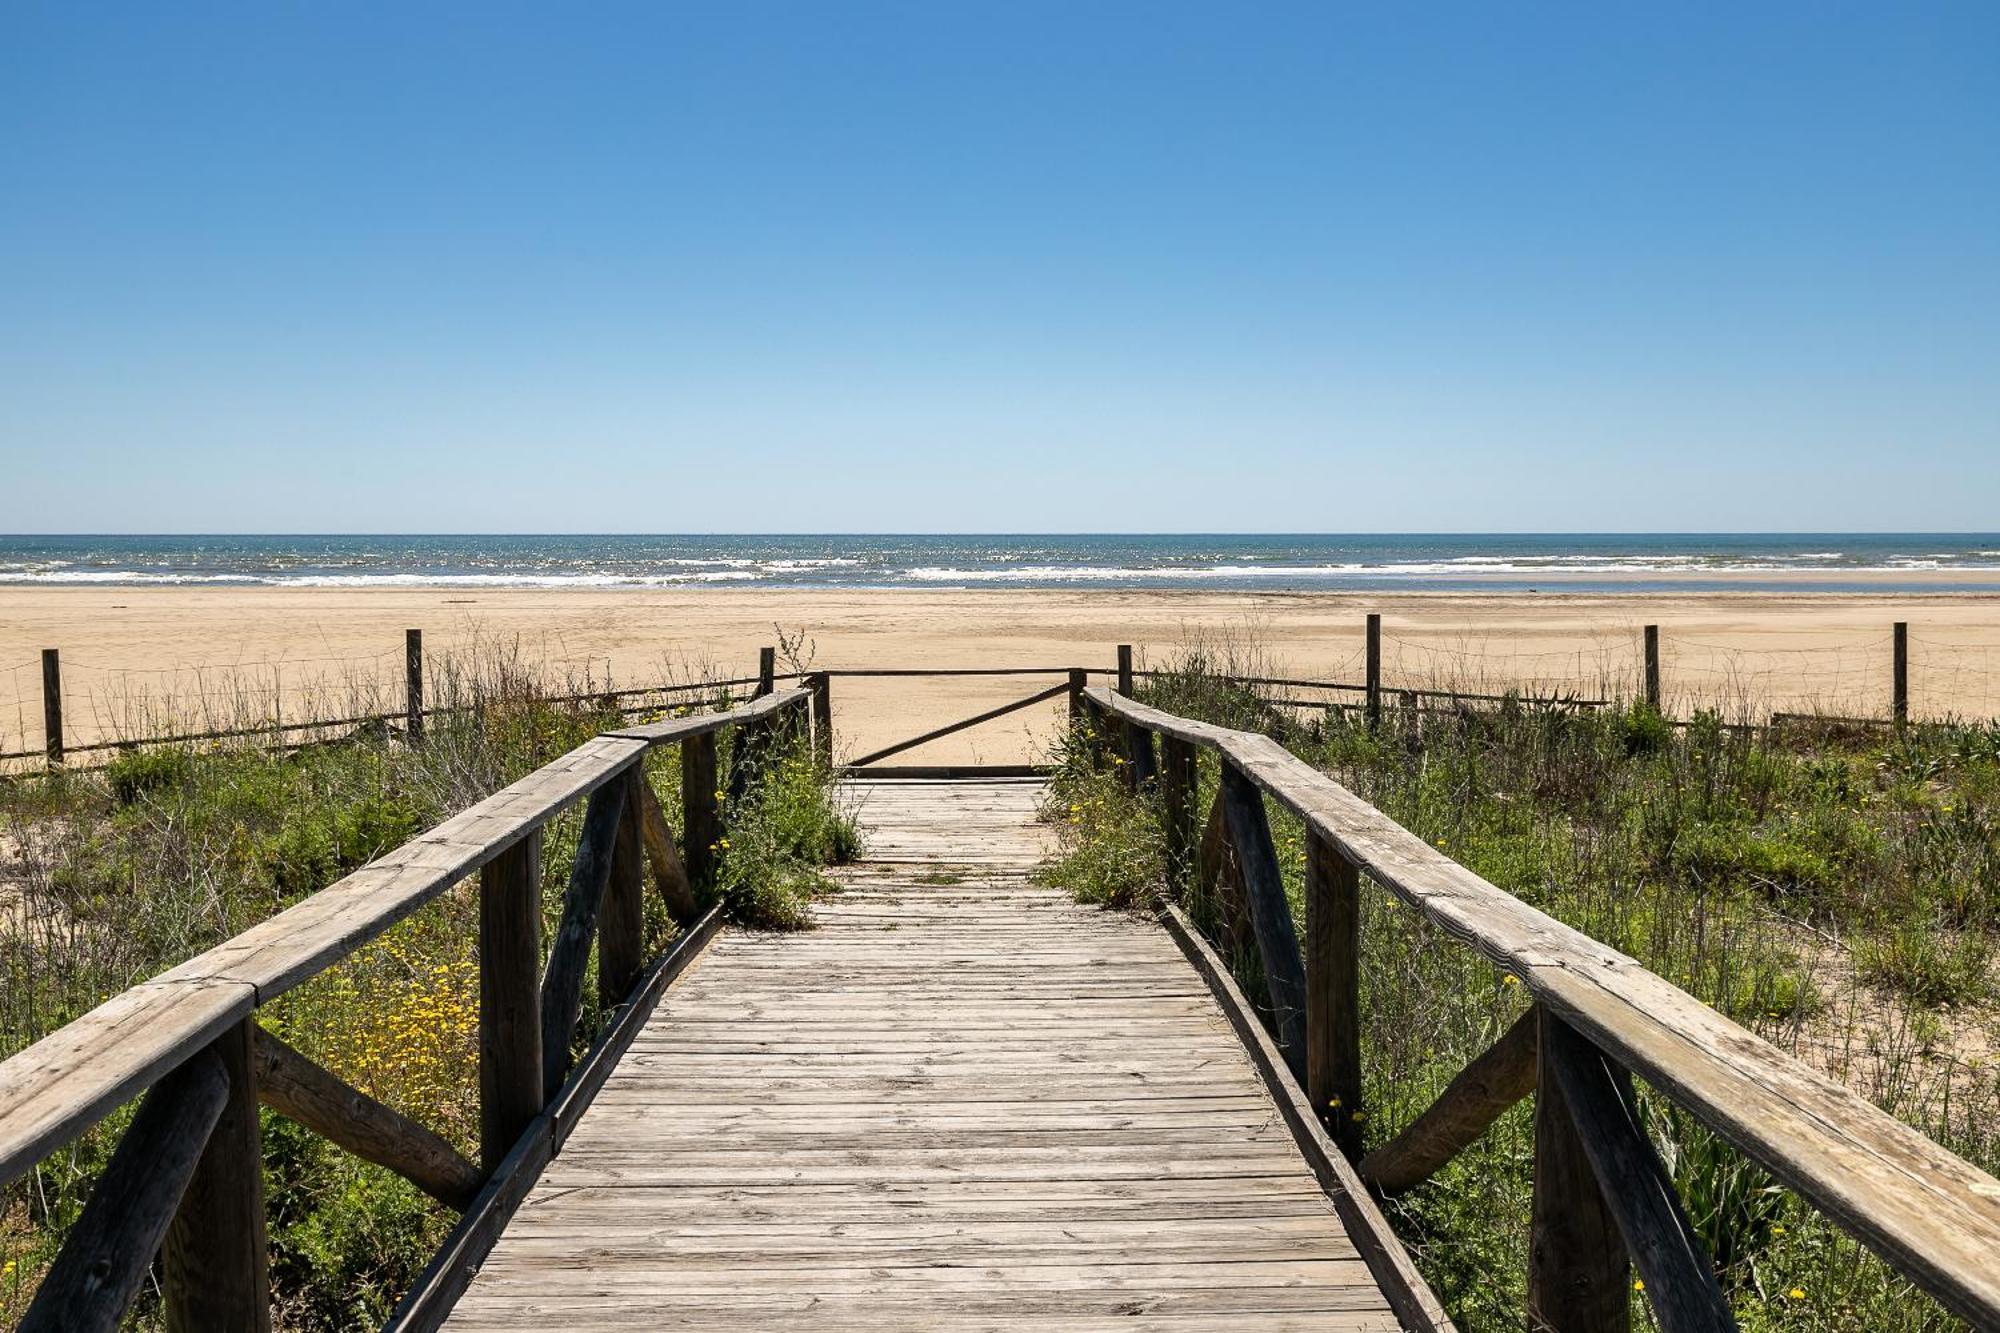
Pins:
<point x="71" y="1079"/>
<point x="1931" y="1214"/>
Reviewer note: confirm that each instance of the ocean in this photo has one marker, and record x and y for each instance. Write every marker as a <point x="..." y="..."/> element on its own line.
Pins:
<point x="1268" y="563"/>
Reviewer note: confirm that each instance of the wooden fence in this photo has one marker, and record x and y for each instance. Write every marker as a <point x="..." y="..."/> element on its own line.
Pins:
<point x="185" y="1181"/>
<point x="1601" y="1194"/>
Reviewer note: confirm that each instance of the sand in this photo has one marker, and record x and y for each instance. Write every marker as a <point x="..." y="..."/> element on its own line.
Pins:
<point x="305" y="651"/>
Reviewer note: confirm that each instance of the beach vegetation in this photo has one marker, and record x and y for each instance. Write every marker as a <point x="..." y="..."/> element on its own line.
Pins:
<point x="1832" y="889"/>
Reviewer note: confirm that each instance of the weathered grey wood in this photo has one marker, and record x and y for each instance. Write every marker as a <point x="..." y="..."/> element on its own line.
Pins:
<point x="1142" y="772"/>
<point x="767" y="670"/>
<point x="52" y="710"/>
<point x="670" y="874"/>
<point x="1899" y="672"/>
<point x="413" y="685"/>
<point x="1177" y="798"/>
<point x="429" y="1301"/>
<point x="1270" y="913"/>
<point x="215" y="1262"/>
<point x="1498" y="1077"/>
<point x="562" y="982"/>
<point x="1040" y="696"/>
<point x="821" y="685"/>
<point x="1578" y="1281"/>
<point x="1416" y="1306"/>
<point x="1373" y="670"/>
<point x="621" y="928"/>
<point x="1933" y="1215"/>
<point x="1125" y="669"/>
<point x="701" y="810"/>
<point x="510" y="997"/>
<point x="1078" y="682"/>
<point x="108" y="1250"/>
<point x="1679" y="1276"/>
<point x="969" y="1138"/>
<point x="1333" y="991"/>
<point x="670" y="730"/>
<point x="1652" y="645"/>
<point x="323" y="1102"/>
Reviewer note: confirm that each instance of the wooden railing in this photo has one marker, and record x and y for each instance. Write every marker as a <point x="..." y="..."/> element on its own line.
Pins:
<point x="1601" y="1193"/>
<point x="185" y="1181"/>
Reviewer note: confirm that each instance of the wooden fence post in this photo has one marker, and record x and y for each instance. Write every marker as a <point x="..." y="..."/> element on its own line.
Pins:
<point x="413" y="685"/>
<point x="1374" y="671"/>
<point x="1899" y="693"/>
<point x="621" y="923"/>
<point x="510" y="997"/>
<point x="767" y="671"/>
<point x="1270" y="914"/>
<point x="1578" y="1278"/>
<point x="216" y="1260"/>
<point x="1125" y="669"/>
<point x="701" y="819"/>
<point x="1333" y="991"/>
<point x="1653" y="667"/>
<point x="52" y="722"/>
<point x="1177" y="795"/>
<point x="1078" y="682"/>
<point x="821" y="683"/>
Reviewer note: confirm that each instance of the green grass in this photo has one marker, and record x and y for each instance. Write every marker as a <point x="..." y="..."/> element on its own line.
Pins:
<point x="125" y="871"/>
<point x="1750" y="869"/>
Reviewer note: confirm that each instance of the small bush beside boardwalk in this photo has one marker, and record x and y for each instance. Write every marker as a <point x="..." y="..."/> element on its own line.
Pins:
<point x="1837" y="890"/>
<point x="110" y="876"/>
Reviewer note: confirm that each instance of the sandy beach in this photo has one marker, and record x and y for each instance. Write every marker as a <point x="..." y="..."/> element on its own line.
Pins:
<point x="126" y="649"/>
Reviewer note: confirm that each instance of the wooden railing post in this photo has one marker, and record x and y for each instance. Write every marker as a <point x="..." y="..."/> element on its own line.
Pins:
<point x="510" y="997"/>
<point x="1333" y="991"/>
<point x="1270" y="913"/>
<point x="1177" y="796"/>
<point x="52" y="722"/>
<point x="216" y="1275"/>
<point x="1653" y="667"/>
<point x="621" y="927"/>
<point x="767" y="671"/>
<point x="701" y="816"/>
<point x="1373" y="678"/>
<point x="1125" y="669"/>
<point x="1578" y="1278"/>
<point x="1078" y="682"/>
<point x="413" y="685"/>
<point x="1899" y="671"/>
<point x="821" y="684"/>
<point x="569" y="951"/>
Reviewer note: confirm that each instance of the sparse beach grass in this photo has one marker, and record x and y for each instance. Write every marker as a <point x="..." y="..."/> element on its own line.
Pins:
<point x="1833" y="889"/>
<point x="110" y="875"/>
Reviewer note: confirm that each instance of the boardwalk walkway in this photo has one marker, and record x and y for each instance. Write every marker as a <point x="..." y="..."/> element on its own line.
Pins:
<point x="962" y="1103"/>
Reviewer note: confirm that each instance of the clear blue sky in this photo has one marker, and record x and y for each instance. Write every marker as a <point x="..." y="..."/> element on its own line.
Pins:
<point x="1020" y="266"/>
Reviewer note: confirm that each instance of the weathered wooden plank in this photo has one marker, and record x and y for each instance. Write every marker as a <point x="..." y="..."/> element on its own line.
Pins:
<point x="215" y="1263"/>
<point x="1270" y="914"/>
<point x="707" y="724"/>
<point x="1498" y="1077"/>
<point x="510" y="998"/>
<point x="1333" y="991"/>
<point x="107" y="1253"/>
<point x="701" y="810"/>
<point x="1678" y="1275"/>
<point x="1576" y="1261"/>
<point x="323" y="1102"/>
<point x="562" y="982"/>
<point x="1933" y="1215"/>
<point x="621" y="927"/>
<point x="670" y="876"/>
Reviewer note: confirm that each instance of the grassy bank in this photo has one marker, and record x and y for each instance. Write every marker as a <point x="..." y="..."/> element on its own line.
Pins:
<point x="108" y="877"/>
<point x="1835" y="891"/>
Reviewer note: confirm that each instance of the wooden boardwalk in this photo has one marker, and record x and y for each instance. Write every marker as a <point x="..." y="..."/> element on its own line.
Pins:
<point x="963" y="1103"/>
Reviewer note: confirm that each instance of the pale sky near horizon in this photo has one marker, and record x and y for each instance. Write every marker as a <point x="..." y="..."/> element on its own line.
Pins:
<point x="1013" y="267"/>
